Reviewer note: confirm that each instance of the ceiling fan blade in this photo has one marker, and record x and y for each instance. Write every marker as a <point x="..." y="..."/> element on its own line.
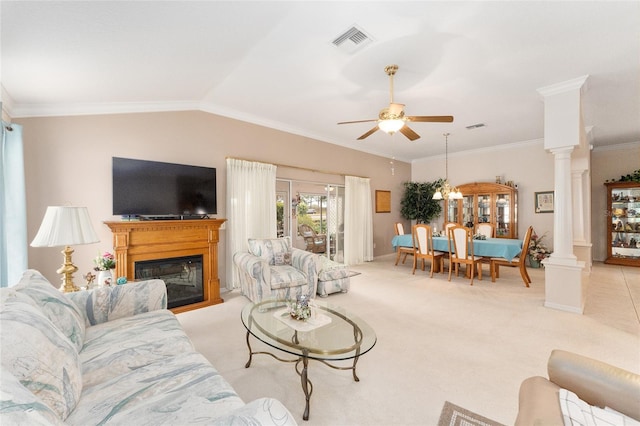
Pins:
<point x="431" y="118"/>
<point x="358" y="121"/>
<point x="369" y="133"/>
<point x="410" y="134"/>
<point x="395" y="109"/>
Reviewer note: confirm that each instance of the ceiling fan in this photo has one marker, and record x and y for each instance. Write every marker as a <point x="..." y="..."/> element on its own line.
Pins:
<point x="392" y="118"/>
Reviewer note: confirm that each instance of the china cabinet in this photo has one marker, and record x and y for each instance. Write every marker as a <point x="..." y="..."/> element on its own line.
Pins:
<point x="485" y="202"/>
<point x="623" y="223"/>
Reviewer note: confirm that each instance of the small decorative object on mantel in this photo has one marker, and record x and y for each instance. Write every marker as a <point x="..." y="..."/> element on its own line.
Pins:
<point x="104" y="265"/>
<point x="538" y="251"/>
<point x="299" y="309"/>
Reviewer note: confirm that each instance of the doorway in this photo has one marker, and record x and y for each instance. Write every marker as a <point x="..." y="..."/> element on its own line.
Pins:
<point x="312" y="214"/>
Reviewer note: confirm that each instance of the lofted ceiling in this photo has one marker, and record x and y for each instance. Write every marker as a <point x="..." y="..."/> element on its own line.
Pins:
<point x="274" y="63"/>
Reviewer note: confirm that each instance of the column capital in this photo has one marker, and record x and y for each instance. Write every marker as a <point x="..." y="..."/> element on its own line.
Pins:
<point x="578" y="83"/>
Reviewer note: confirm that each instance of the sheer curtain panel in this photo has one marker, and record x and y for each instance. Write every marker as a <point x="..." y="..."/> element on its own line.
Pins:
<point x="358" y="226"/>
<point x="13" y="207"/>
<point x="251" y="208"/>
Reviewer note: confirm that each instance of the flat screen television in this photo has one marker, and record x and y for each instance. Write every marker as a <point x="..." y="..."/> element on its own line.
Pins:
<point x="153" y="189"/>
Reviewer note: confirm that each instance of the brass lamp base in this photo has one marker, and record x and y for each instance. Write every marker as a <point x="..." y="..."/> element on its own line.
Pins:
<point x="66" y="270"/>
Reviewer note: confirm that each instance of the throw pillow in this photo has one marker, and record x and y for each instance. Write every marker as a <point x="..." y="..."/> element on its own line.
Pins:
<point x="282" y="258"/>
<point x="266" y="249"/>
<point x="58" y="308"/>
<point x="36" y="353"/>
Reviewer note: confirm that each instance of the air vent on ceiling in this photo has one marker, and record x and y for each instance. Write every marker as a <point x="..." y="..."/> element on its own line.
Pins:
<point x="352" y="40"/>
<point x="475" y="126"/>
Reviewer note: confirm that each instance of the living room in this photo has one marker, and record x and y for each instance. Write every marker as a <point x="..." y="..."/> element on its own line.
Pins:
<point x="68" y="157"/>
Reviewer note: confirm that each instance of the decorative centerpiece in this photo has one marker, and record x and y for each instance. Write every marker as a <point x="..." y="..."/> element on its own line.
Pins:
<point x="537" y="250"/>
<point x="299" y="309"/>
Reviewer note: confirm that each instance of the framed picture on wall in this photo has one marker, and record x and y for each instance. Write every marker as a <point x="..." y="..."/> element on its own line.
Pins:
<point x="544" y="202"/>
<point x="383" y="201"/>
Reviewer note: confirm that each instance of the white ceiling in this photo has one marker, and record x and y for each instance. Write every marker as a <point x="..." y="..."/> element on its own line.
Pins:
<point x="273" y="63"/>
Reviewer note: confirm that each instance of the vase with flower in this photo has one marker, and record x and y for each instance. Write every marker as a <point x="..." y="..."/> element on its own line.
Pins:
<point x="538" y="251"/>
<point x="105" y="264"/>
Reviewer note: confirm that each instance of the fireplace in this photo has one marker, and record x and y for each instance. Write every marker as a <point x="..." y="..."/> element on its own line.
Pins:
<point x="183" y="277"/>
<point x="148" y="240"/>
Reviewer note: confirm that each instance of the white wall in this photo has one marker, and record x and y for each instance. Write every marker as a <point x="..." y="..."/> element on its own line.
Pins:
<point x="527" y="164"/>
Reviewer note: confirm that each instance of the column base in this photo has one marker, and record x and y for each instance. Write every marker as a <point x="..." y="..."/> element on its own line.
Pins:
<point x="564" y="289"/>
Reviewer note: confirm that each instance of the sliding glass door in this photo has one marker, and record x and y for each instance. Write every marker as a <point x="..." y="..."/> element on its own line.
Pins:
<point x="312" y="214"/>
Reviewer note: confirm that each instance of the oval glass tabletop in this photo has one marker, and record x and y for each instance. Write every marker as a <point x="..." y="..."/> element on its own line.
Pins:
<point x="332" y="333"/>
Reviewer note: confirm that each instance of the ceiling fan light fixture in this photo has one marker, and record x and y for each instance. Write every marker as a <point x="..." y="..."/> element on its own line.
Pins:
<point x="390" y="126"/>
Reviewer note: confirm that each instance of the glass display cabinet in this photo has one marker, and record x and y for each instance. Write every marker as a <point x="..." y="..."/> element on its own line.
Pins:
<point x="623" y="223"/>
<point x="485" y="202"/>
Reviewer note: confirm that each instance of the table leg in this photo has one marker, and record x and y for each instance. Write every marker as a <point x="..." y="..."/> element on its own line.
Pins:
<point x="250" y="352"/>
<point x="305" y="383"/>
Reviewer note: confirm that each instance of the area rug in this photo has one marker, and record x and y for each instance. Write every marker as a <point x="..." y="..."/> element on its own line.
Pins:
<point x="452" y="415"/>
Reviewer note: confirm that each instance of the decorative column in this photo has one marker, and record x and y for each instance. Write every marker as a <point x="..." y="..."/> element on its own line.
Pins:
<point x="564" y="289"/>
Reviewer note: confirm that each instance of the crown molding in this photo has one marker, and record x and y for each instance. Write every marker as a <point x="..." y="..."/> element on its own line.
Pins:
<point x="617" y="147"/>
<point x="57" y="110"/>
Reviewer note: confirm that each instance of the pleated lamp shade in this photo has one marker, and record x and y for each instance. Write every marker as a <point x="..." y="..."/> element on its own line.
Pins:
<point x="65" y="226"/>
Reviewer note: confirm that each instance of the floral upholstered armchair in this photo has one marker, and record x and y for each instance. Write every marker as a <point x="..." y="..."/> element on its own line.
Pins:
<point x="272" y="268"/>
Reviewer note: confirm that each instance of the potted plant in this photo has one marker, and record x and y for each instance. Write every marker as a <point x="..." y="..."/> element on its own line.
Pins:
<point x="538" y="251"/>
<point x="417" y="202"/>
<point x="104" y="264"/>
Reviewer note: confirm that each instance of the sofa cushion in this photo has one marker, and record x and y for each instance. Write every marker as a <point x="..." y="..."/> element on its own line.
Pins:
<point x="38" y="354"/>
<point x="286" y="276"/>
<point x="110" y="303"/>
<point x="19" y="406"/>
<point x="120" y="346"/>
<point x="179" y="390"/>
<point x="266" y="249"/>
<point x="63" y="313"/>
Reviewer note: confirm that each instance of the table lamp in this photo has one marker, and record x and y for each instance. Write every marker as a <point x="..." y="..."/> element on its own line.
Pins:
<point x="65" y="226"/>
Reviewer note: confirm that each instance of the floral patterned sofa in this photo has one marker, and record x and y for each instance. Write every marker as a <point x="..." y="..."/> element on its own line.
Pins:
<point x="272" y="268"/>
<point x="111" y="355"/>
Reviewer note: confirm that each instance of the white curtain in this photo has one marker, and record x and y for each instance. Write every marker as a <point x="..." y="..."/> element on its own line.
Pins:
<point x="13" y="207"/>
<point x="358" y="223"/>
<point x="251" y="208"/>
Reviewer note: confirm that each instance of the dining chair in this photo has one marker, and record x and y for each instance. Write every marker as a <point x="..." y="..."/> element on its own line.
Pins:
<point x="486" y="229"/>
<point x="461" y="251"/>
<point x="448" y="225"/>
<point x="519" y="261"/>
<point x="423" y="242"/>
<point x="399" y="230"/>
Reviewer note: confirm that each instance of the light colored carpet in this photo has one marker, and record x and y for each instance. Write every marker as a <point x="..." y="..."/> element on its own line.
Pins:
<point x="437" y="341"/>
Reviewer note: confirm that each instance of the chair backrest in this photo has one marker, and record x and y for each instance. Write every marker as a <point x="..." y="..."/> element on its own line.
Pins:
<point x="448" y="225"/>
<point x="306" y="231"/>
<point x="525" y="245"/>
<point x="423" y="239"/>
<point x="399" y="228"/>
<point x="486" y="229"/>
<point x="461" y="241"/>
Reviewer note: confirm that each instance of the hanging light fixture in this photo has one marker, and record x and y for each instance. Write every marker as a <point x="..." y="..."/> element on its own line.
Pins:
<point x="446" y="191"/>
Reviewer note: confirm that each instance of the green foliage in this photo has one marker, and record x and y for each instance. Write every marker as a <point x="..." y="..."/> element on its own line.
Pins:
<point x="631" y="177"/>
<point x="418" y="203"/>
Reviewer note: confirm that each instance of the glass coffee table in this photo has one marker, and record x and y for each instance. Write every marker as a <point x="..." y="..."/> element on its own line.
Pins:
<point x="331" y="334"/>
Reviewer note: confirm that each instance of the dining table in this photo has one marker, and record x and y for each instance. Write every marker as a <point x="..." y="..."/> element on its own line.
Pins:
<point x="507" y="248"/>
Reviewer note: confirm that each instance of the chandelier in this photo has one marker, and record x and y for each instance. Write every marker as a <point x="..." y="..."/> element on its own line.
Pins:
<point x="446" y="191"/>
